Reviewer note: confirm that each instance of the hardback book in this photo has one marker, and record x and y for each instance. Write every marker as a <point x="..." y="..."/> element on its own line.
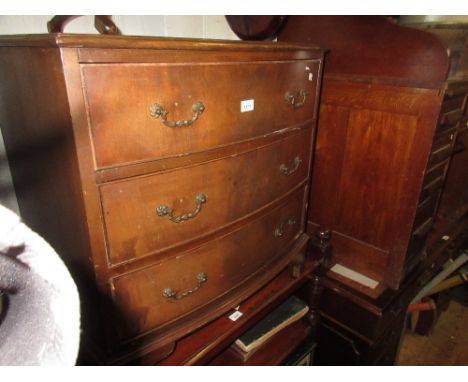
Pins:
<point x="285" y="314"/>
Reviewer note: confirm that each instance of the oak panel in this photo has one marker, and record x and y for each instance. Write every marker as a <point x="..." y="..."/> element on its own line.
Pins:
<point x="360" y="214"/>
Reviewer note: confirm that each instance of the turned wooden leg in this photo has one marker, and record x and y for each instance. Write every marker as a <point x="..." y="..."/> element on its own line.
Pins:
<point x="319" y="249"/>
<point x="315" y="291"/>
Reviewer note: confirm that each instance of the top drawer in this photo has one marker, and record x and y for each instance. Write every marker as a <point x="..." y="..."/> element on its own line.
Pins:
<point x="121" y="102"/>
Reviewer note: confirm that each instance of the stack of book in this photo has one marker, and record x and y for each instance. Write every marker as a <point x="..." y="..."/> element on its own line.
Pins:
<point x="284" y="315"/>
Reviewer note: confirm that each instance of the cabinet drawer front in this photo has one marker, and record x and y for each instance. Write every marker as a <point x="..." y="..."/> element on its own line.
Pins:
<point x="121" y="100"/>
<point x="234" y="187"/>
<point x="226" y="262"/>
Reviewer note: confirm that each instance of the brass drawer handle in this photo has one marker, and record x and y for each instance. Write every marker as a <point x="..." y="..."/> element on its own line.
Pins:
<point x="157" y="111"/>
<point x="291" y="98"/>
<point x="285" y="170"/>
<point x="163" y="210"/>
<point x="172" y="294"/>
<point x="279" y="232"/>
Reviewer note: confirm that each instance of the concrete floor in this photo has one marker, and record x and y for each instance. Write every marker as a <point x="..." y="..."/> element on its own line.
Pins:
<point x="446" y="345"/>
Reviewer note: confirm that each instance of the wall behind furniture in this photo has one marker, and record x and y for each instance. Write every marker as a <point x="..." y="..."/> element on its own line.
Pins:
<point x="170" y="26"/>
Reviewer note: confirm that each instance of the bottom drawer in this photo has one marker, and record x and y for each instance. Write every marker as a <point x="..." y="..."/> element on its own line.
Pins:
<point x="175" y="288"/>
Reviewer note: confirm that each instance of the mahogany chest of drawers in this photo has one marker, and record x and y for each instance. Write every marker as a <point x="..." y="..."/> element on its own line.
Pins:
<point x="171" y="175"/>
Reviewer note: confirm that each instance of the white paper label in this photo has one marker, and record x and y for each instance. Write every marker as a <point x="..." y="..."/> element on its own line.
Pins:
<point x="355" y="276"/>
<point x="235" y="316"/>
<point x="247" y="105"/>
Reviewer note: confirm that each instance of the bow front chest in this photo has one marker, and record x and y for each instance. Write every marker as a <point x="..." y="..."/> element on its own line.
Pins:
<point x="171" y="175"/>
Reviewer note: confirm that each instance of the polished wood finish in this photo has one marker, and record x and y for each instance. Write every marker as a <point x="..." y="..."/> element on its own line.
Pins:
<point x="394" y="53"/>
<point x="365" y="126"/>
<point x="103" y="24"/>
<point x="108" y="165"/>
<point x="227" y="262"/>
<point x="133" y="228"/>
<point x="376" y="141"/>
<point x="121" y="126"/>
<point x="382" y="157"/>
<point x="204" y="345"/>
<point x="379" y="213"/>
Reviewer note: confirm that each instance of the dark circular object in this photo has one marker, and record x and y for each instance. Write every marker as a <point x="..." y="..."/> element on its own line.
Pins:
<point x="256" y="27"/>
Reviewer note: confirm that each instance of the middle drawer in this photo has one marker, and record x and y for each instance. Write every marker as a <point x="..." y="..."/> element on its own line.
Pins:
<point x="151" y="214"/>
